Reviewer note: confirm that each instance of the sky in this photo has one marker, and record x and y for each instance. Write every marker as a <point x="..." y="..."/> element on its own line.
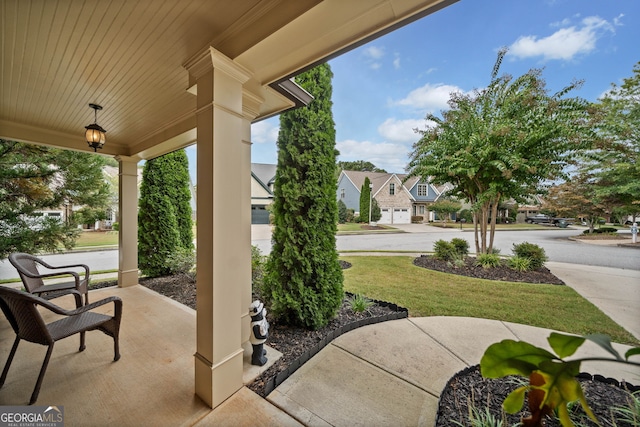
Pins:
<point x="383" y="90"/>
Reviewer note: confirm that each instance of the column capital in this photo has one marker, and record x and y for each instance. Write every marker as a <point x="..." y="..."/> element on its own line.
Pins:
<point x="210" y="59"/>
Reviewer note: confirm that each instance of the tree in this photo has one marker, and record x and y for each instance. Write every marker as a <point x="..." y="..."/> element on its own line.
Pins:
<point x="502" y="142"/>
<point x="304" y="278"/>
<point x="37" y="178"/>
<point x="83" y="184"/>
<point x="577" y="198"/>
<point x="375" y="211"/>
<point x="342" y="212"/>
<point x="617" y="166"/>
<point x="365" y="200"/>
<point x="444" y="208"/>
<point x="360" y="165"/>
<point x="165" y="235"/>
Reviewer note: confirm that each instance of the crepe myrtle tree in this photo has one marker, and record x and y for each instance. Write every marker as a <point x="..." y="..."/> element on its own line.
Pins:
<point x="303" y="279"/>
<point x="502" y="142"/>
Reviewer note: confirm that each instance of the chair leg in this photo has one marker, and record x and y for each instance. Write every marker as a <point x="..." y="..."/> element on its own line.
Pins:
<point x="9" y="360"/>
<point x="82" y="346"/>
<point x="116" y="347"/>
<point x="36" y="390"/>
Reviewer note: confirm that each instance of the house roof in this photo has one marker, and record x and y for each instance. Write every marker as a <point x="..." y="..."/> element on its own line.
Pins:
<point x="264" y="173"/>
<point x="130" y="56"/>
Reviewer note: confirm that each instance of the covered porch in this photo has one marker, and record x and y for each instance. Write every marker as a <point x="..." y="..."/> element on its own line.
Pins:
<point x="168" y="76"/>
<point x="152" y="383"/>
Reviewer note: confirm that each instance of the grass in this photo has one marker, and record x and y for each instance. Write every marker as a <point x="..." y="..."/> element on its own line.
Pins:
<point x="469" y="226"/>
<point x="430" y="293"/>
<point x="97" y="238"/>
<point x="351" y="227"/>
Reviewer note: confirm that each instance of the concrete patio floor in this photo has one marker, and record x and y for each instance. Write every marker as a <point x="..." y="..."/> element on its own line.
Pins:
<point x="151" y="385"/>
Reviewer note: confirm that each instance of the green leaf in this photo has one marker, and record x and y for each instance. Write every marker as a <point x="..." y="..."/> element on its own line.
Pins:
<point x="605" y="342"/>
<point x="510" y="357"/>
<point x="514" y="401"/>
<point x="564" y="345"/>
<point x="632" y="352"/>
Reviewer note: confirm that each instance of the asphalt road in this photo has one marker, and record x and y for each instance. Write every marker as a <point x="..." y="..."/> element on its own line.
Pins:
<point x="555" y="242"/>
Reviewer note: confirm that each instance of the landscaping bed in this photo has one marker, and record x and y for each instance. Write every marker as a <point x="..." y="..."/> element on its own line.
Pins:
<point x="502" y="272"/>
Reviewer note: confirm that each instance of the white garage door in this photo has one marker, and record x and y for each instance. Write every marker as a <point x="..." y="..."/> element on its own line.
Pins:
<point x="385" y="217"/>
<point x="401" y="216"/>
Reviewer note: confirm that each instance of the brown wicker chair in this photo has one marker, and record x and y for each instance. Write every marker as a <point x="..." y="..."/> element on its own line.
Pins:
<point x="27" y="266"/>
<point x="21" y="310"/>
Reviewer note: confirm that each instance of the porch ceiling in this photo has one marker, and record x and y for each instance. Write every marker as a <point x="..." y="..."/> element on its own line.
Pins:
<point x="128" y="56"/>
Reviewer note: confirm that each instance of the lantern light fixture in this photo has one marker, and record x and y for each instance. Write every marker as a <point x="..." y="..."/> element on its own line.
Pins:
<point x="95" y="135"/>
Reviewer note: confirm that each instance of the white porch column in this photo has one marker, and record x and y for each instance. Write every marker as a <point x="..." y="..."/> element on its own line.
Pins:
<point x="128" y="221"/>
<point x="224" y="224"/>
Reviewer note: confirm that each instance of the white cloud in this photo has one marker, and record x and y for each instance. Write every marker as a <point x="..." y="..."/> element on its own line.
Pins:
<point x="374" y="52"/>
<point x="401" y="131"/>
<point x="265" y="132"/>
<point x="388" y="156"/>
<point x="566" y="43"/>
<point x="373" y="55"/>
<point x="396" y="61"/>
<point x="431" y="98"/>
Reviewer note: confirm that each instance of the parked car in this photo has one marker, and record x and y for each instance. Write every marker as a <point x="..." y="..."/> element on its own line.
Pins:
<point x="538" y="219"/>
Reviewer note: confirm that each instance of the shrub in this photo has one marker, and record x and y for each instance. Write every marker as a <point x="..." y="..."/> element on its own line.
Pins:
<point x="444" y="250"/>
<point x="417" y="219"/>
<point x="535" y="253"/>
<point x="488" y="260"/>
<point x="461" y="246"/>
<point x="115" y="226"/>
<point x="520" y="263"/>
<point x="466" y="214"/>
<point x="257" y="269"/>
<point x="181" y="261"/>
<point x="351" y="215"/>
<point x="342" y="212"/>
<point x="602" y="230"/>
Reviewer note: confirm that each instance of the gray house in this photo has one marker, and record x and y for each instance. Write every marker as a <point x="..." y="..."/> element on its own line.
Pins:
<point x="398" y="201"/>
<point x="263" y="177"/>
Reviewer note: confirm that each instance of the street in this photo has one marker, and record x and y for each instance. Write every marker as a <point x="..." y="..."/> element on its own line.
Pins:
<point x="555" y="242"/>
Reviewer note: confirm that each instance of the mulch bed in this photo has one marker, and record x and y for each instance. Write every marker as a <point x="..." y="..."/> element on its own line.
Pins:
<point x="502" y="272"/>
<point x="468" y="390"/>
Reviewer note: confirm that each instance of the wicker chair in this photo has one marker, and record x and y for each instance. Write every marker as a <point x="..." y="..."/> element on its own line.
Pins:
<point x="27" y="266"/>
<point x="21" y="310"/>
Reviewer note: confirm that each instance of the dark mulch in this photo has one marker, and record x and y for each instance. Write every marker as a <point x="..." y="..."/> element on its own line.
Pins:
<point x="469" y="389"/>
<point x="502" y="272"/>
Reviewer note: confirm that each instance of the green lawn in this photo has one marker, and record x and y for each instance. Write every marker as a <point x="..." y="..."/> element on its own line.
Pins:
<point x="351" y="227"/>
<point x="97" y="238"/>
<point x="431" y="293"/>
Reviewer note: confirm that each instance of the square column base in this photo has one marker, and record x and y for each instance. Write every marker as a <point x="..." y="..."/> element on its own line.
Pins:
<point x="226" y="375"/>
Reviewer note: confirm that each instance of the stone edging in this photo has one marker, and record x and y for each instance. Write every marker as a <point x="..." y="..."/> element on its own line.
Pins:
<point x="398" y="313"/>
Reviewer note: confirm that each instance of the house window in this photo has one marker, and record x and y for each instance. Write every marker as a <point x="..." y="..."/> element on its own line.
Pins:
<point x="423" y="191"/>
<point x="421" y="209"/>
<point x="342" y="193"/>
<point x="392" y="189"/>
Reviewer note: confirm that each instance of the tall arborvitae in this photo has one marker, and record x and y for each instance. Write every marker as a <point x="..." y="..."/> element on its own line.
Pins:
<point x="165" y="235"/>
<point x="365" y="200"/>
<point x="304" y="278"/>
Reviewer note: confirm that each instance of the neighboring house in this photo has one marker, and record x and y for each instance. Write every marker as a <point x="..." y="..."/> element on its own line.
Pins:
<point x="398" y="201"/>
<point x="263" y="177"/>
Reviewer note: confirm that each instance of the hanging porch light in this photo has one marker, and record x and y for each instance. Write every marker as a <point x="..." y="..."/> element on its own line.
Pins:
<point x="95" y="135"/>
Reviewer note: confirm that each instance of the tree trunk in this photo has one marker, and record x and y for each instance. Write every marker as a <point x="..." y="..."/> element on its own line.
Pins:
<point x="494" y="214"/>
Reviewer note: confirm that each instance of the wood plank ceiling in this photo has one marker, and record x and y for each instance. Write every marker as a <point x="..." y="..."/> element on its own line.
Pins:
<point x="57" y="56"/>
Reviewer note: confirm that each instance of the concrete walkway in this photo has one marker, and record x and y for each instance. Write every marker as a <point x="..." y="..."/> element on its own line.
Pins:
<point x="392" y="373"/>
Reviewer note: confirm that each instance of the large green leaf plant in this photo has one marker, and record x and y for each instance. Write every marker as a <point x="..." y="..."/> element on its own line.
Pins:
<point x="552" y="379"/>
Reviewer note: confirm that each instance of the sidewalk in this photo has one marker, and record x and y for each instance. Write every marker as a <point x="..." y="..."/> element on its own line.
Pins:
<point x="392" y="373"/>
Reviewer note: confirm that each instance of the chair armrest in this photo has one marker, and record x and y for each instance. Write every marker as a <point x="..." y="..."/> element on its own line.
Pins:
<point x="59" y="273"/>
<point x="59" y="310"/>
<point x="51" y="267"/>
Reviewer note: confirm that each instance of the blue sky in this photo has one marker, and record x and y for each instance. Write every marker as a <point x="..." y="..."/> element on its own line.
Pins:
<point x="384" y="89"/>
